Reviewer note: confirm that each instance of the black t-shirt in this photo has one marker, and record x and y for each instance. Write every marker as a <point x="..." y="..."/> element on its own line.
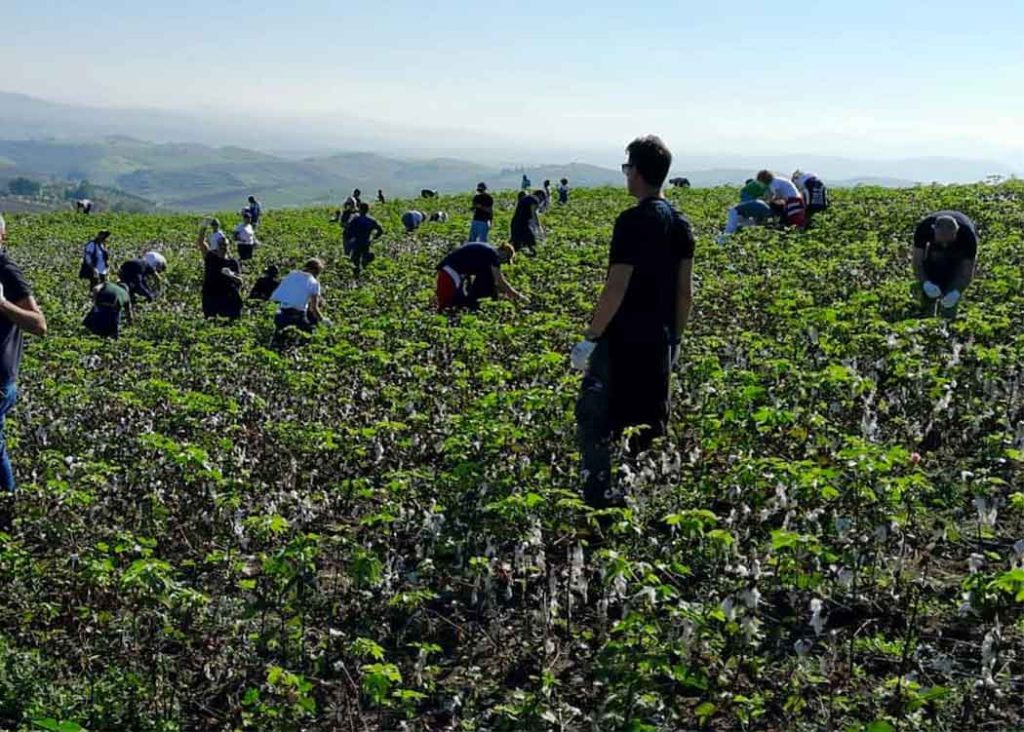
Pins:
<point x="483" y="207"/>
<point x="16" y="288"/>
<point x="472" y="260"/>
<point x="264" y="288"/>
<point x="654" y="239"/>
<point x="941" y="262"/>
<point x="523" y="219"/>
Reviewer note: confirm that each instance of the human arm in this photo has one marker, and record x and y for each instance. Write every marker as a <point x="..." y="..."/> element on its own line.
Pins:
<point x="505" y="288"/>
<point x="964" y="275"/>
<point x="314" y="307"/>
<point x="612" y="295"/>
<point x="918" y="259"/>
<point x="24" y="313"/>
<point x="378" y="229"/>
<point x="201" y="244"/>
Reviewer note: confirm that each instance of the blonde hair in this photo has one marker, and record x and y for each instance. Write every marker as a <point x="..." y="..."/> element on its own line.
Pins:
<point x="507" y="251"/>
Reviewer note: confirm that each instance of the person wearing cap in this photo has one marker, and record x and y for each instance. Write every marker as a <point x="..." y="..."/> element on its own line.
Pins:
<point x="525" y="227"/>
<point x="380" y="196"/>
<point x="362" y="231"/>
<point x="255" y="212"/>
<point x="945" y="253"/>
<point x="750" y="211"/>
<point x="95" y="259"/>
<point x="412" y="220"/>
<point x="483" y="214"/>
<point x="563" y="191"/>
<point x="633" y="337"/>
<point x="136" y="275"/>
<point x="785" y="200"/>
<point x="18" y="313"/>
<point x="473" y="272"/>
<point x="222" y="280"/>
<point x="245" y="236"/>
<point x="111" y="305"/>
<point x="298" y="297"/>
<point x="813" y="190"/>
<point x="265" y="285"/>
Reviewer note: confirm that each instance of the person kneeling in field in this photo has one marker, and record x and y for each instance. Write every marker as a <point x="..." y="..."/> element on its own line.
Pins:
<point x="815" y="192"/>
<point x="362" y="231"/>
<point x="412" y="220"/>
<point x="136" y="275"/>
<point x="18" y="312"/>
<point x="111" y="306"/>
<point x="265" y="285"/>
<point x="786" y="200"/>
<point x="750" y="211"/>
<point x="945" y="252"/>
<point x="299" y="298"/>
<point x="472" y="272"/>
<point x="633" y="338"/>
<point x="222" y="280"/>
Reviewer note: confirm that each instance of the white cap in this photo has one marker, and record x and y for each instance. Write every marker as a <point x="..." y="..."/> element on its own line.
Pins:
<point x="155" y="260"/>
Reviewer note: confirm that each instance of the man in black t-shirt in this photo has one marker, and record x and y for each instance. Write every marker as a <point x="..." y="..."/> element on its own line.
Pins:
<point x="945" y="252"/>
<point x="483" y="214"/>
<point x="18" y="312"/>
<point x="473" y="272"/>
<point x="525" y="227"/>
<point x="633" y="337"/>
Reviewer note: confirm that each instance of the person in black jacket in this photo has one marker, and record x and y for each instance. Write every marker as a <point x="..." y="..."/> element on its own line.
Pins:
<point x="222" y="280"/>
<point x="265" y="285"/>
<point x="633" y="337"/>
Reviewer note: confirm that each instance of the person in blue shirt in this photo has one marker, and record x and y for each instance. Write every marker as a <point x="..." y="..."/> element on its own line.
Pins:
<point x="563" y="191"/>
<point x="362" y="231"/>
<point x="412" y="220"/>
<point x="525" y="185"/>
<point x="255" y="211"/>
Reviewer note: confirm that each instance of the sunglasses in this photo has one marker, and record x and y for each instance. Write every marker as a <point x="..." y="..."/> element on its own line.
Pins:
<point x="626" y="167"/>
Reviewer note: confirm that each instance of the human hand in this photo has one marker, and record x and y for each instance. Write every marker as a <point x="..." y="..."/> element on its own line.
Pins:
<point x="951" y="299"/>
<point x="931" y="290"/>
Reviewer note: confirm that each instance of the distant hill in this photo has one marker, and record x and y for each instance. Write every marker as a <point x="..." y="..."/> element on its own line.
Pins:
<point x="189" y="176"/>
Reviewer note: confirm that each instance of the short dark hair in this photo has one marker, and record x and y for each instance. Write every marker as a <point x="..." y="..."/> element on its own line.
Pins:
<point x="364" y="208"/>
<point x="252" y="199"/>
<point x="651" y="158"/>
<point x="103" y="235"/>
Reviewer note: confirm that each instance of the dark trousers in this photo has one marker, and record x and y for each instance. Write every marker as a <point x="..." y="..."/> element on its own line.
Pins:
<point x="361" y="256"/>
<point x="597" y="425"/>
<point x="245" y="251"/>
<point x="137" y="286"/>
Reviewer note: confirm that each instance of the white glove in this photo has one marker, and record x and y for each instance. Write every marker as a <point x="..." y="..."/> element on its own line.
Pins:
<point x="2" y="298"/>
<point x="931" y="290"/>
<point x="951" y="299"/>
<point x="580" y="355"/>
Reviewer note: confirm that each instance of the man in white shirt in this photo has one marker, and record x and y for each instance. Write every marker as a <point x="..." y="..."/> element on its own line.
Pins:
<point x="786" y="200"/>
<point x="298" y="296"/>
<point x="245" y="236"/>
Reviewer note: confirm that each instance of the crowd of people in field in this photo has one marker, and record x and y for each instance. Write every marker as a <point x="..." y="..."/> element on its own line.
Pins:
<point x="632" y="340"/>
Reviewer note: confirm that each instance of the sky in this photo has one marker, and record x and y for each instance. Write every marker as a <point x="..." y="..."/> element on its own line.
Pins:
<point x="865" y="78"/>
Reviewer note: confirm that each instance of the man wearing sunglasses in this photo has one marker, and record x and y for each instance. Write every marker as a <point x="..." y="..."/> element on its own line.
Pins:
<point x="633" y="337"/>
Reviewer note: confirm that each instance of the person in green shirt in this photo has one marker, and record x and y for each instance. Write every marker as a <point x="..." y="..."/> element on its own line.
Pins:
<point x="111" y="305"/>
<point x="750" y="211"/>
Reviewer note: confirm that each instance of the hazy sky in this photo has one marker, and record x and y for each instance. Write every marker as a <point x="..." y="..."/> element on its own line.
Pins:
<point x="870" y="77"/>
